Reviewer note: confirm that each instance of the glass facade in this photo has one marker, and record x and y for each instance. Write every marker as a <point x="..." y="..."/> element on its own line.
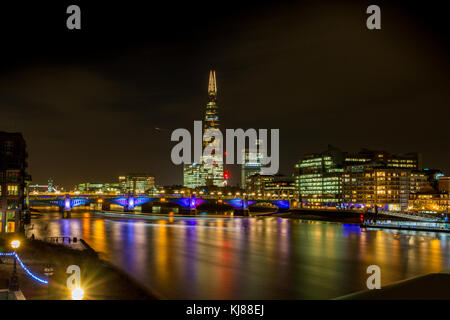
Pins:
<point x="358" y="180"/>
<point x="319" y="180"/>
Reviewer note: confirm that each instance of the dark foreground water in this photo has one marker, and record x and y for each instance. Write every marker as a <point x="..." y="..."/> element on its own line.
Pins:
<point x="251" y="258"/>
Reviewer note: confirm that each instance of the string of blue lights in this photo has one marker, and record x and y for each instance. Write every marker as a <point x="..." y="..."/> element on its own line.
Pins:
<point x="24" y="267"/>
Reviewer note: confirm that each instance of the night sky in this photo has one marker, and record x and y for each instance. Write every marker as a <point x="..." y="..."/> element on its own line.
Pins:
<point x="88" y="101"/>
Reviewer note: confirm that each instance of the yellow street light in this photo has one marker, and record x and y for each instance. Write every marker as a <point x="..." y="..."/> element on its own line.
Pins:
<point x="15" y="244"/>
<point x="77" y="294"/>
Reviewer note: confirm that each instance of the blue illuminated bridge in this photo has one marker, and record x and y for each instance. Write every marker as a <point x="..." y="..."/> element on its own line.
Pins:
<point x="130" y="202"/>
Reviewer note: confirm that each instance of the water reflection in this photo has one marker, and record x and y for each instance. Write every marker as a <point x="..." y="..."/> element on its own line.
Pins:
<point x="250" y="258"/>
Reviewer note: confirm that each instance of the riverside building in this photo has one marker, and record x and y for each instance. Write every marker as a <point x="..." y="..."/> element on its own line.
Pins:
<point x="137" y="183"/>
<point x="13" y="180"/>
<point x="363" y="180"/>
<point x="270" y="186"/>
<point x="252" y="164"/>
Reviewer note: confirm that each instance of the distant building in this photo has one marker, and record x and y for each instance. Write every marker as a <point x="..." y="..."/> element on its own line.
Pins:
<point x="88" y="187"/>
<point x="444" y="184"/>
<point x="434" y="197"/>
<point x="253" y="159"/>
<point x="44" y="188"/>
<point x="13" y="179"/>
<point x="429" y="200"/>
<point x="194" y="175"/>
<point x="136" y="183"/>
<point x="270" y="186"/>
<point x="209" y="174"/>
<point x="374" y="184"/>
<point x="410" y="161"/>
<point x="418" y="180"/>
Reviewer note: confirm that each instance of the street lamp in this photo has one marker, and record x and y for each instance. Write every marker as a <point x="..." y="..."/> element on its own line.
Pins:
<point x="14" y="282"/>
<point x="77" y="294"/>
<point x="48" y="271"/>
<point x="15" y="244"/>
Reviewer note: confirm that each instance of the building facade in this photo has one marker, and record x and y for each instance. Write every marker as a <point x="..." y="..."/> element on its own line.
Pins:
<point x="194" y="175"/>
<point x="253" y="163"/>
<point x="270" y="187"/>
<point x="210" y="171"/>
<point x="13" y="180"/>
<point x="361" y="180"/>
<point x="103" y="188"/>
<point x="318" y="178"/>
<point x="429" y="201"/>
<point x="444" y="184"/>
<point x="136" y="183"/>
<point x="375" y="185"/>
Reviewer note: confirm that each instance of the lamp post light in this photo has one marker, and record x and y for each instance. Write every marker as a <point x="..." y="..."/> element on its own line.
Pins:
<point x="48" y="271"/>
<point x="14" y="282"/>
<point x="77" y="294"/>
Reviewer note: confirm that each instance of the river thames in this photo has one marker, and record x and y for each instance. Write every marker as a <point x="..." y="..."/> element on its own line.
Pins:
<point x="250" y="258"/>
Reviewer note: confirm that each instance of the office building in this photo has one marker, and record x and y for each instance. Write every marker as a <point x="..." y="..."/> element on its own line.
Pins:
<point x="318" y="178"/>
<point x="364" y="179"/>
<point x="444" y="184"/>
<point x="136" y="183"/>
<point x="270" y="186"/>
<point x="13" y="180"/>
<point x="210" y="171"/>
<point x="194" y="175"/>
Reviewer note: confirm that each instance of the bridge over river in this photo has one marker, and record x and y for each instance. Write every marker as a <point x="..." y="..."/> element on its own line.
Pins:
<point x="129" y="202"/>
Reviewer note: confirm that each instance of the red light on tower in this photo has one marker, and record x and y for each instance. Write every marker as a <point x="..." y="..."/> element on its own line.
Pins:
<point x="226" y="175"/>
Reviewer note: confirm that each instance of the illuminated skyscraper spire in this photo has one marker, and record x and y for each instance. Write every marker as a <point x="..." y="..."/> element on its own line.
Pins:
<point x="210" y="170"/>
<point x="212" y="86"/>
<point x="214" y="171"/>
<point x="212" y="114"/>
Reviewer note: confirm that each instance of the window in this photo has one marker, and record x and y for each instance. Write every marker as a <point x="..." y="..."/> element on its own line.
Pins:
<point x="8" y="146"/>
<point x="12" y="190"/>
<point x="12" y="204"/>
<point x="12" y="175"/>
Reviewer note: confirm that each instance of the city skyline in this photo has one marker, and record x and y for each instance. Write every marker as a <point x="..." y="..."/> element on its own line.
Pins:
<point x="231" y="154"/>
<point x="80" y="111"/>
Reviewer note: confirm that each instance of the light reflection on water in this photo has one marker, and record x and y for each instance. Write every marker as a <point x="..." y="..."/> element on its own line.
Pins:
<point x="251" y="258"/>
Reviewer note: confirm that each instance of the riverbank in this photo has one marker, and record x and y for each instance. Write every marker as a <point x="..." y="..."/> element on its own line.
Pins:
<point x="99" y="279"/>
<point x="432" y="286"/>
<point x="335" y="216"/>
